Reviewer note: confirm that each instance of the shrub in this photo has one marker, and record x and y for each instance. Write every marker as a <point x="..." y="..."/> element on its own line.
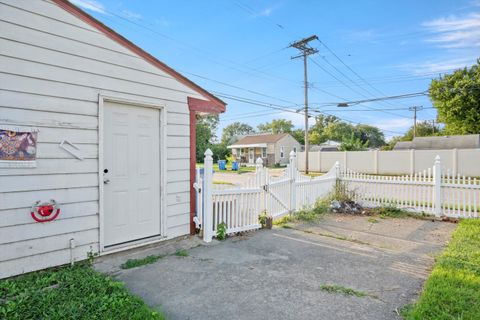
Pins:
<point x="221" y="231"/>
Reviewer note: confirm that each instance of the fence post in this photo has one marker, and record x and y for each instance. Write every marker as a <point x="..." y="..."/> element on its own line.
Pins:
<point x="293" y="178"/>
<point x="259" y="173"/>
<point x="437" y="187"/>
<point x="337" y="170"/>
<point x="207" y="196"/>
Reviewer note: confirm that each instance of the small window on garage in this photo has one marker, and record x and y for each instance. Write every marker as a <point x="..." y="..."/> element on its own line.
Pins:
<point x="264" y="152"/>
<point x="282" y="152"/>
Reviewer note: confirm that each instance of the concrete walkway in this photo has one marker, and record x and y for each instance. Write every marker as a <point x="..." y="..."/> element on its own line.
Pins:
<point x="277" y="274"/>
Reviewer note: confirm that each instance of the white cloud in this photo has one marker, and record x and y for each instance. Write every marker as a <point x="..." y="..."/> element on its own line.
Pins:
<point x="266" y="12"/>
<point x="131" y="15"/>
<point x="475" y="3"/>
<point x="91" y="5"/>
<point x="395" y="124"/>
<point x="454" y="31"/>
<point x="369" y="35"/>
<point x="438" y="66"/>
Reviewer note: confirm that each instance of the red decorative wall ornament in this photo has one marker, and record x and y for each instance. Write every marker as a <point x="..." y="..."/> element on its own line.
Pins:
<point x="46" y="211"/>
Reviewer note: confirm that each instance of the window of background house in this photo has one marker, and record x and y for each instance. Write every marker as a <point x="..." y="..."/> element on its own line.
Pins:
<point x="282" y="152"/>
<point x="264" y="152"/>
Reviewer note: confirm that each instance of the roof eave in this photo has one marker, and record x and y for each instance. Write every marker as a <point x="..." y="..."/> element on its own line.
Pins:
<point x="212" y="103"/>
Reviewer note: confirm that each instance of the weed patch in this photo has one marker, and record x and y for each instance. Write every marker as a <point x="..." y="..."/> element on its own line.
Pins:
<point x="182" y="253"/>
<point x="221" y="231"/>
<point x="394" y="212"/>
<point x="342" y="290"/>
<point x="223" y="182"/>
<point x="133" y="263"/>
<point x="77" y="292"/>
<point x="453" y="289"/>
<point x="372" y="220"/>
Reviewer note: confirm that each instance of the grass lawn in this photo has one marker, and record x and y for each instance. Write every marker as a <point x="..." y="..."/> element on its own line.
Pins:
<point x="453" y="289"/>
<point x="76" y="292"/>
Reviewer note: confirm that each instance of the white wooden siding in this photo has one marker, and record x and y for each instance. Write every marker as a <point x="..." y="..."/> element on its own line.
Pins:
<point x="53" y="67"/>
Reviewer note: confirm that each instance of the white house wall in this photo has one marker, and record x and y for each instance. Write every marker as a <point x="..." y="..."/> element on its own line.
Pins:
<point x="53" y="67"/>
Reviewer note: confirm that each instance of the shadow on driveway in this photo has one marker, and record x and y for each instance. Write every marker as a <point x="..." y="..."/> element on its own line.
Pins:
<point x="277" y="274"/>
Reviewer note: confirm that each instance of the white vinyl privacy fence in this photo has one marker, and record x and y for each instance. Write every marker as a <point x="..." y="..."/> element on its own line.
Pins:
<point x="239" y="207"/>
<point x="433" y="191"/>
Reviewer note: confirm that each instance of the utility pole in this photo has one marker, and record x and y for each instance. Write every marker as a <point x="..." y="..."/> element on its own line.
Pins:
<point x="415" y="109"/>
<point x="306" y="50"/>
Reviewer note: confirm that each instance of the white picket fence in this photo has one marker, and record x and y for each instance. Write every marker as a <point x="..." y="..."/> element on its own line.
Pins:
<point x="432" y="191"/>
<point x="239" y="207"/>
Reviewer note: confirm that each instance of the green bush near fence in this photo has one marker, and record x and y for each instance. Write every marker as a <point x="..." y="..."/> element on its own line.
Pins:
<point x="453" y="289"/>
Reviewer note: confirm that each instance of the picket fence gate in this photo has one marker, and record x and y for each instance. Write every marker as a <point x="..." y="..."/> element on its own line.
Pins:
<point x="433" y="191"/>
<point x="239" y="207"/>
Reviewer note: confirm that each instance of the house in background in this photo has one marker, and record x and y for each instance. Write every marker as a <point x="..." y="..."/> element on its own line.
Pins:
<point x="469" y="141"/>
<point x="272" y="148"/>
<point x="98" y="125"/>
<point x="328" y="145"/>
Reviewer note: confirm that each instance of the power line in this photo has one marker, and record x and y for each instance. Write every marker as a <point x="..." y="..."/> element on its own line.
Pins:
<point x="206" y="54"/>
<point x="351" y="69"/>
<point x="399" y="96"/>
<point x="278" y="108"/>
<point x="350" y="87"/>
<point x="392" y="78"/>
<point x="257" y="114"/>
<point x="370" y="110"/>
<point x="236" y="87"/>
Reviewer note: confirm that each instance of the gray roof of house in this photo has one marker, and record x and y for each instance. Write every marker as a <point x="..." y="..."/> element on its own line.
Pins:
<point x="469" y="141"/>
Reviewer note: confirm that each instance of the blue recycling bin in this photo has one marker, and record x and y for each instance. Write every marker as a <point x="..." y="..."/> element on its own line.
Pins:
<point x="235" y="166"/>
<point x="201" y="171"/>
<point x="222" y="164"/>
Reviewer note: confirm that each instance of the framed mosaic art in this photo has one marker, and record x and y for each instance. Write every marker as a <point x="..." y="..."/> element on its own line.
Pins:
<point x="18" y="147"/>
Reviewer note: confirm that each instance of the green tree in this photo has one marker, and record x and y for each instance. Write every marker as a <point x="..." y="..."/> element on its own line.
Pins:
<point x="299" y="135"/>
<point x="317" y="133"/>
<point x="338" y="131"/>
<point x="457" y="99"/>
<point x="392" y="142"/>
<point x="236" y="128"/>
<point x="220" y="151"/>
<point x="424" y="129"/>
<point x="372" y="134"/>
<point x="205" y="129"/>
<point x="353" y="143"/>
<point x="276" y="126"/>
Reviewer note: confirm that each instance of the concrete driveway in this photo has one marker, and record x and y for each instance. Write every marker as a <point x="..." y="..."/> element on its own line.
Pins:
<point x="277" y="274"/>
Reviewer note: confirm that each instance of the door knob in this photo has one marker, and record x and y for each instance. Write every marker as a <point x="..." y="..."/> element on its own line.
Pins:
<point x="106" y="181"/>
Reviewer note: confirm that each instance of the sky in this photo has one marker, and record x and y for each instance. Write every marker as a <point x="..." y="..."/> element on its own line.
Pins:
<point x="239" y="50"/>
